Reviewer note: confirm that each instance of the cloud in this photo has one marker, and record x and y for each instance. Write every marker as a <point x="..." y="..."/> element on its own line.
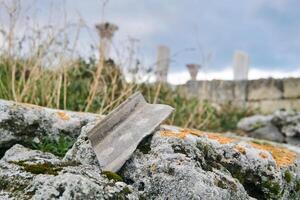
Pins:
<point x="137" y="27"/>
<point x="268" y="30"/>
<point x="227" y="74"/>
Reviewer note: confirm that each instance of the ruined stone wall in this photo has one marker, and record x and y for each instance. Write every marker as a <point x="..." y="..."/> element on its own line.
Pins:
<point x="268" y="95"/>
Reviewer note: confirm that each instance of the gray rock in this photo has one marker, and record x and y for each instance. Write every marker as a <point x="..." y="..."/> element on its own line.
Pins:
<point x="40" y="176"/>
<point x="21" y="123"/>
<point x="19" y="153"/>
<point x="179" y="165"/>
<point x="282" y="126"/>
<point x="268" y="132"/>
<point x="82" y="150"/>
<point x="254" y="122"/>
<point x="82" y="182"/>
<point x="287" y="122"/>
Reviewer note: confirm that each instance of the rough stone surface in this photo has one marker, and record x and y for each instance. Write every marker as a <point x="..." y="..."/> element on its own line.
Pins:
<point x="288" y="123"/>
<point x="264" y="89"/>
<point x="82" y="150"/>
<point x="267" y="95"/>
<point x="282" y="126"/>
<point x="222" y="91"/>
<point x="240" y="90"/>
<point x="291" y="88"/>
<point x="270" y="106"/>
<point x="187" y="164"/>
<point x="254" y="122"/>
<point x="21" y="179"/>
<point x="22" y="123"/>
<point x="174" y="163"/>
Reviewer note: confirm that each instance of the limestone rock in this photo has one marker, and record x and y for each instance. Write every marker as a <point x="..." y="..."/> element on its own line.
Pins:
<point x="42" y="176"/>
<point x="189" y="164"/>
<point x="254" y="122"/>
<point x="291" y="87"/>
<point x="265" y="89"/>
<point x="282" y="126"/>
<point x="82" y="150"/>
<point x="23" y="123"/>
<point x="287" y="122"/>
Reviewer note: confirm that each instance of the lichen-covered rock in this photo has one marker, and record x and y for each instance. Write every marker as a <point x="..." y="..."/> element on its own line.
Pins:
<point x="19" y="153"/>
<point x="287" y="122"/>
<point x="23" y="123"/>
<point x="31" y="174"/>
<point x="189" y="164"/>
<point x="282" y="126"/>
<point x="82" y="150"/>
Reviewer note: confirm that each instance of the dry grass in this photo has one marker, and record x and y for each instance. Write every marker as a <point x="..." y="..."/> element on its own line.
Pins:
<point x="41" y="66"/>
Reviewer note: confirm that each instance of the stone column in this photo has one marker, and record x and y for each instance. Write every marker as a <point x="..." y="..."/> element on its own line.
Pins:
<point x="163" y="62"/>
<point x="193" y="70"/>
<point x="240" y="65"/>
<point x="106" y="32"/>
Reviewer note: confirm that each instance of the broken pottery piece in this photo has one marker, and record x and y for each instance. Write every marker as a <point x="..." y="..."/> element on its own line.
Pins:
<point x="117" y="136"/>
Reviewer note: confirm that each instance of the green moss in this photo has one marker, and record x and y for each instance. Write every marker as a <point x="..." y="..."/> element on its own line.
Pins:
<point x="44" y="168"/>
<point x="3" y="184"/>
<point x="126" y="191"/>
<point x="272" y="187"/>
<point x="145" y="145"/>
<point x="179" y="149"/>
<point x="257" y="125"/>
<point x="288" y="176"/>
<point x="221" y="184"/>
<point x="112" y="176"/>
<point x="41" y="168"/>
<point x="298" y="185"/>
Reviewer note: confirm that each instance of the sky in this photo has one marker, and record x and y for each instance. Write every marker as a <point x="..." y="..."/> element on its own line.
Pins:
<point x="196" y="31"/>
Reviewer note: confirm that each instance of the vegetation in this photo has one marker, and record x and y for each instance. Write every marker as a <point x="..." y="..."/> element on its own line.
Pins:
<point x="46" y="89"/>
<point x="112" y="176"/>
<point x="57" y="147"/>
<point x="42" y="66"/>
<point x="44" y="168"/>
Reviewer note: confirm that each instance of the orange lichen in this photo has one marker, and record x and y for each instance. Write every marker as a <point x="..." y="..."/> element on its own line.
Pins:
<point x="63" y="115"/>
<point x="221" y="139"/>
<point x="240" y="149"/>
<point x="28" y="105"/>
<point x="184" y="132"/>
<point x="282" y="156"/>
<point x="263" y="155"/>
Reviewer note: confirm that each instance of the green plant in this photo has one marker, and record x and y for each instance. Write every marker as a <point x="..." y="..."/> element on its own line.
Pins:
<point x="41" y="77"/>
<point x="57" y="147"/>
<point x="112" y="176"/>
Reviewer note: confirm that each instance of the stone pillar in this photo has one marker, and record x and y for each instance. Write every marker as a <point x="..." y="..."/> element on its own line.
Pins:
<point x="106" y="32"/>
<point x="193" y="70"/>
<point x="240" y="65"/>
<point x="163" y="62"/>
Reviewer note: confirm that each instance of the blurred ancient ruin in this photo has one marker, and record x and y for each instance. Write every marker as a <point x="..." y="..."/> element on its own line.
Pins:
<point x="240" y="65"/>
<point x="193" y="70"/>
<point x="163" y="63"/>
<point x="268" y="95"/>
<point x="106" y="32"/>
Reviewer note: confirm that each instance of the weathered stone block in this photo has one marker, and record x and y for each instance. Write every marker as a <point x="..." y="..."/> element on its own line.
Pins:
<point x="190" y="89"/>
<point x="240" y="90"/>
<point x="270" y="106"/>
<point x="264" y="89"/>
<point x="291" y="88"/>
<point x="222" y="91"/>
<point x="205" y="90"/>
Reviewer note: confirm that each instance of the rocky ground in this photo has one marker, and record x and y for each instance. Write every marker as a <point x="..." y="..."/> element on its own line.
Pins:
<point x="282" y="126"/>
<point x="173" y="163"/>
